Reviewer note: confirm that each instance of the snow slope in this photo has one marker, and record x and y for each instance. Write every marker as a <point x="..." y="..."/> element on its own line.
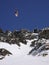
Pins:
<point x="16" y="50"/>
<point x="20" y="56"/>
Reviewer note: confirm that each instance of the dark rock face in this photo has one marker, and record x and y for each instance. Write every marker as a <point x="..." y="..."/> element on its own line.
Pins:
<point x="20" y="36"/>
<point x="1" y="31"/>
<point x="36" y="30"/>
<point x="14" y="37"/>
<point x="4" y="52"/>
<point x="44" y="34"/>
<point x="32" y="43"/>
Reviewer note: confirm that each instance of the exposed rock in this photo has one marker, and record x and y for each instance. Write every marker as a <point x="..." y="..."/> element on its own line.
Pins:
<point x="36" y="30"/>
<point x="4" y="52"/>
<point x="32" y="43"/>
<point x="15" y="37"/>
<point x="44" y="34"/>
<point x="1" y="31"/>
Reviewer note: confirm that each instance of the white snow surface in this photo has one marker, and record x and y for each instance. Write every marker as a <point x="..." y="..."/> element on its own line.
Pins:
<point x="20" y="56"/>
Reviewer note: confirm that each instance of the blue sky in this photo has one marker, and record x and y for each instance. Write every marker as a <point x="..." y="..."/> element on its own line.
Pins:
<point x="32" y="14"/>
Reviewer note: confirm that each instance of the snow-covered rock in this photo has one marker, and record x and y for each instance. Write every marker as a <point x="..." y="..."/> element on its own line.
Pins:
<point x="26" y="48"/>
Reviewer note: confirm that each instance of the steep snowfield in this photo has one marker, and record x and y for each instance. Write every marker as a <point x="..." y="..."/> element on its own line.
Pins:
<point x="20" y="56"/>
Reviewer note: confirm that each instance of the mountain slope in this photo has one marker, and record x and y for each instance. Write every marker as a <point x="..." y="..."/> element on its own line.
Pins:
<point x="24" y="47"/>
<point x="19" y="56"/>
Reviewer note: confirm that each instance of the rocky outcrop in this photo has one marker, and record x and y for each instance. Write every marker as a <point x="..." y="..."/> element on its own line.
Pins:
<point x="44" y="34"/>
<point x="4" y="52"/>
